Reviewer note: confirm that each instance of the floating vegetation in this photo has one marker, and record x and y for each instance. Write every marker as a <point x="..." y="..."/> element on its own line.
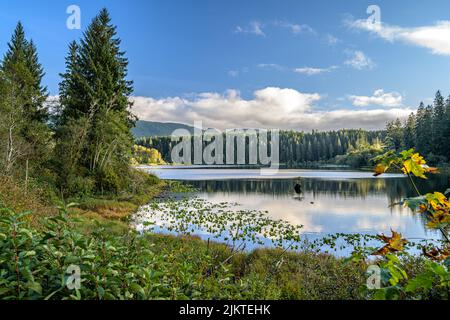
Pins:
<point x="364" y="245"/>
<point x="222" y="222"/>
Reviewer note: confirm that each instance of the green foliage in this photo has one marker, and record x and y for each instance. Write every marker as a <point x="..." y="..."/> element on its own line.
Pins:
<point x="24" y="135"/>
<point x="362" y="155"/>
<point x="146" y="156"/>
<point x="433" y="281"/>
<point x="427" y="130"/>
<point x="34" y="265"/>
<point x="93" y="125"/>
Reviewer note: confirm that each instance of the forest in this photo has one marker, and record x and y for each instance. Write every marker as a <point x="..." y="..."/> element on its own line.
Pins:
<point x="304" y="148"/>
<point x="427" y="130"/>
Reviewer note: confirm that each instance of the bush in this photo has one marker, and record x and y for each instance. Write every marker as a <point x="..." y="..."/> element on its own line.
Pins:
<point x="35" y="264"/>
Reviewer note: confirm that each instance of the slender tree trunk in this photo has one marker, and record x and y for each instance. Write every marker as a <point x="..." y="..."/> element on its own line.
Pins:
<point x="26" y="176"/>
<point x="10" y="149"/>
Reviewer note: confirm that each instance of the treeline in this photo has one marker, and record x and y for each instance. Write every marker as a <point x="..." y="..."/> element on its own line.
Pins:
<point x="81" y="143"/>
<point x="296" y="148"/>
<point x="427" y="130"/>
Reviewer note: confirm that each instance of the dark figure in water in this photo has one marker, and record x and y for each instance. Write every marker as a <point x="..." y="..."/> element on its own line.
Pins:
<point x="298" y="188"/>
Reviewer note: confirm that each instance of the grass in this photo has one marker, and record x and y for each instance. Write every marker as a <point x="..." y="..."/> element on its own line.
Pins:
<point x="13" y="194"/>
<point x="300" y="276"/>
<point x="114" y="211"/>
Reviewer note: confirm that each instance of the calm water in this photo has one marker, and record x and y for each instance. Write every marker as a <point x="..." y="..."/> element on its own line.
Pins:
<point x="332" y="201"/>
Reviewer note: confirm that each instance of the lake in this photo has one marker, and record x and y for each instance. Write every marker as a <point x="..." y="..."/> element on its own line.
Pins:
<point x="332" y="201"/>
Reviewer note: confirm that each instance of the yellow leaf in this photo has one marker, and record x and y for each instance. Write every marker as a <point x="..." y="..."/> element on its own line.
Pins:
<point x="394" y="243"/>
<point x="379" y="169"/>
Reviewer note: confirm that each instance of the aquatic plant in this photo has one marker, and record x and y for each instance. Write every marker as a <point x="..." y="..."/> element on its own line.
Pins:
<point x="224" y="221"/>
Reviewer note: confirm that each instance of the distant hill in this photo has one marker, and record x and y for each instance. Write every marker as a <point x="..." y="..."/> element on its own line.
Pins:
<point x="152" y="129"/>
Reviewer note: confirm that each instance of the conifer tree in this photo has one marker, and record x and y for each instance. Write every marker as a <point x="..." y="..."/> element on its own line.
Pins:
<point x="446" y="133"/>
<point x="94" y="95"/>
<point x="409" y="135"/>
<point x="421" y="129"/>
<point x="394" y="134"/>
<point x="438" y="124"/>
<point x="24" y="113"/>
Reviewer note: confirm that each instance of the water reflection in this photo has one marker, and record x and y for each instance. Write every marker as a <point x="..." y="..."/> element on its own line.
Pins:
<point x="329" y="205"/>
<point x="331" y="201"/>
<point x="394" y="188"/>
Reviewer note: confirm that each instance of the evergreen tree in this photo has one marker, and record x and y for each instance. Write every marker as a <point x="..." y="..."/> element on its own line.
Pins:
<point x="422" y="130"/>
<point x="94" y="97"/>
<point x="409" y="135"/>
<point x="24" y="114"/>
<point x="446" y="133"/>
<point x="394" y="135"/>
<point x="438" y="124"/>
<point x="427" y="127"/>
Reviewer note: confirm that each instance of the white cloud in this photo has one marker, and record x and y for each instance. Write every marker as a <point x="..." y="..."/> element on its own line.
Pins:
<point x="331" y="40"/>
<point x="295" y="28"/>
<point x="271" y="66"/>
<point x="253" y="27"/>
<point x="269" y="108"/>
<point x="233" y="73"/>
<point x="359" y="60"/>
<point x="257" y="28"/>
<point x="434" y="37"/>
<point x="309" y="71"/>
<point x="379" y="98"/>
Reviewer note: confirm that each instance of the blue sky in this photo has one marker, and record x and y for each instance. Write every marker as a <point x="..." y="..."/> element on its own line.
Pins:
<point x="292" y="64"/>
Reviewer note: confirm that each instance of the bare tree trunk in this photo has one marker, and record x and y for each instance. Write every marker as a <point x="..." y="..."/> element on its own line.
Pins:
<point x="10" y="149"/>
<point x="26" y="176"/>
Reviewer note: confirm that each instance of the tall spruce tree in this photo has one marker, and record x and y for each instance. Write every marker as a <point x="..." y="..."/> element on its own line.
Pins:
<point x="94" y="96"/>
<point x="446" y="145"/>
<point x="409" y="134"/>
<point x="438" y="124"/>
<point x="422" y="130"/>
<point x="24" y="113"/>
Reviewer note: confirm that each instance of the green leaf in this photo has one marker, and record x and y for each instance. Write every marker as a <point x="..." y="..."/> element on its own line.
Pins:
<point x="4" y="290"/>
<point x="137" y="289"/>
<point x="35" y="286"/>
<point x="422" y="281"/>
<point x="438" y="269"/>
<point x="414" y="203"/>
<point x="380" y="294"/>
